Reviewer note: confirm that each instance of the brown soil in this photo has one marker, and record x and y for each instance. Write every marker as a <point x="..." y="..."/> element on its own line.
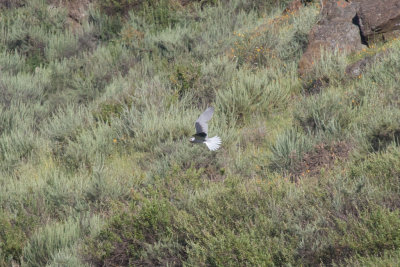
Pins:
<point x="77" y="11"/>
<point x="316" y="86"/>
<point x="322" y="156"/>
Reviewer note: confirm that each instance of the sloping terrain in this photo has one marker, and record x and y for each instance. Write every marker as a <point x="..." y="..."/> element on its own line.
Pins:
<point x="98" y="102"/>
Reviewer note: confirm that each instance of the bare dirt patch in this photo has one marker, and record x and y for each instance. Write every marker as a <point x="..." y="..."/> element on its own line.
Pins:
<point x="323" y="156"/>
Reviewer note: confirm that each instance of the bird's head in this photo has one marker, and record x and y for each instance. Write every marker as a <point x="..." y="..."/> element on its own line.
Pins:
<point x="191" y="139"/>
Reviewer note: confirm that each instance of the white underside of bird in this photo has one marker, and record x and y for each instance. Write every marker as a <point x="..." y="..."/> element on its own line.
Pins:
<point x="201" y="125"/>
<point x="213" y="143"/>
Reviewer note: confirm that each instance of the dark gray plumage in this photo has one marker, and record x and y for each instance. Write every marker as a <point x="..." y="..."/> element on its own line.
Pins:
<point x="202" y="122"/>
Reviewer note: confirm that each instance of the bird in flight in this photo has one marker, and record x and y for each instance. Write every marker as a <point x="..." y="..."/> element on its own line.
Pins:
<point x="201" y="125"/>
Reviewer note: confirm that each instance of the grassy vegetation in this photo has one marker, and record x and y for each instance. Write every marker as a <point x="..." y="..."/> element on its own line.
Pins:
<point x="95" y="164"/>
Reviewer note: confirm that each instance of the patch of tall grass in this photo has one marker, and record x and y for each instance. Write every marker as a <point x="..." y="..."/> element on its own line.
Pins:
<point x="96" y="167"/>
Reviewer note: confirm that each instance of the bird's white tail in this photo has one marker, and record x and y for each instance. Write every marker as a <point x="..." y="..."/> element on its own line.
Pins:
<point x="213" y="143"/>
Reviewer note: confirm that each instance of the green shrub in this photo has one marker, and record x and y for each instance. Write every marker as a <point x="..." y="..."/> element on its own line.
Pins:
<point x="215" y="75"/>
<point x="155" y="125"/>
<point x="24" y="90"/>
<point x="380" y="169"/>
<point x="170" y="43"/>
<point x="384" y="134"/>
<point x="62" y="195"/>
<point x="184" y="78"/>
<point x="62" y="46"/>
<point x="270" y="45"/>
<point x="12" y="240"/>
<point x="327" y="113"/>
<point x="292" y="39"/>
<point x="16" y="148"/>
<point x="371" y="234"/>
<point x="105" y="28"/>
<point x="98" y="103"/>
<point x="132" y="238"/>
<point x="28" y="28"/>
<point x="66" y="124"/>
<point x="330" y="67"/>
<point x="12" y="62"/>
<point x="377" y="128"/>
<point x="48" y="241"/>
<point x="389" y="258"/>
<point x="250" y="95"/>
<point x="91" y="143"/>
<point x="289" y="150"/>
<point x="107" y="110"/>
<point x="67" y="257"/>
<point x="160" y="13"/>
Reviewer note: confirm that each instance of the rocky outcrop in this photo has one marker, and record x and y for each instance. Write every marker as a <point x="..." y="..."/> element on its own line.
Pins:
<point x="357" y="68"/>
<point x="77" y="11"/>
<point x="350" y="25"/>
<point x="335" y="30"/>
<point x="378" y="19"/>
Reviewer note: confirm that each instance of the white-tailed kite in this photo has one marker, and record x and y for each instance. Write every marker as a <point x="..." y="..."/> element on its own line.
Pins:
<point x="201" y="125"/>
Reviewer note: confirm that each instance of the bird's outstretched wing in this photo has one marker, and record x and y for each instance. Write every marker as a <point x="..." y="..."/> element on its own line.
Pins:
<point x="201" y="123"/>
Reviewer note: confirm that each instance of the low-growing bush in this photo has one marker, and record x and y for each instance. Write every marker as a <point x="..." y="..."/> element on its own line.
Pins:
<point x="62" y="46"/>
<point x="328" y="113"/>
<point x="12" y="240"/>
<point x="216" y="75"/>
<point x="378" y="128"/>
<point x="251" y="94"/>
<point x="155" y="125"/>
<point x="98" y="103"/>
<point x="389" y="258"/>
<point x="184" y="78"/>
<point x="384" y="134"/>
<point x="370" y="234"/>
<point x="16" y="148"/>
<point x="289" y="150"/>
<point x="48" y="241"/>
<point x="26" y="30"/>
<point x="105" y="28"/>
<point x="134" y="238"/>
<point x="12" y="62"/>
<point x="107" y="110"/>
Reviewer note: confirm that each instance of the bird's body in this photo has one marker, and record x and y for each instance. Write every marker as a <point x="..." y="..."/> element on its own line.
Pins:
<point x="199" y="138"/>
<point x="201" y="125"/>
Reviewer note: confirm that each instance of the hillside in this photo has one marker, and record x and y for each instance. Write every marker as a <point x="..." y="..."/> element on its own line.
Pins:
<point x="98" y="102"/>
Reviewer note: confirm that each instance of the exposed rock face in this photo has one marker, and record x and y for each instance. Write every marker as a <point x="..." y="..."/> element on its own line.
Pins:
<point x="378" y="18"/>
<point x="336" y="30"/>
<point x="357" y="68"/>
<point x="350" y="25"/>
<point x="77" y="11"/>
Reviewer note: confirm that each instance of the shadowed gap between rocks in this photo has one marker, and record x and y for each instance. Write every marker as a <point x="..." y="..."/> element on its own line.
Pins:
<point x="356" y="21"/>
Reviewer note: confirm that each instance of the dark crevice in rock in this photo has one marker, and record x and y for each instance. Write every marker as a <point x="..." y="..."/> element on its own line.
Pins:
<point x="356" y="21"/>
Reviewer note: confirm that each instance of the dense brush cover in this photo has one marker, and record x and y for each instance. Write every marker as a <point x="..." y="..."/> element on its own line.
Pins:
<point x="98" y="102"/>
